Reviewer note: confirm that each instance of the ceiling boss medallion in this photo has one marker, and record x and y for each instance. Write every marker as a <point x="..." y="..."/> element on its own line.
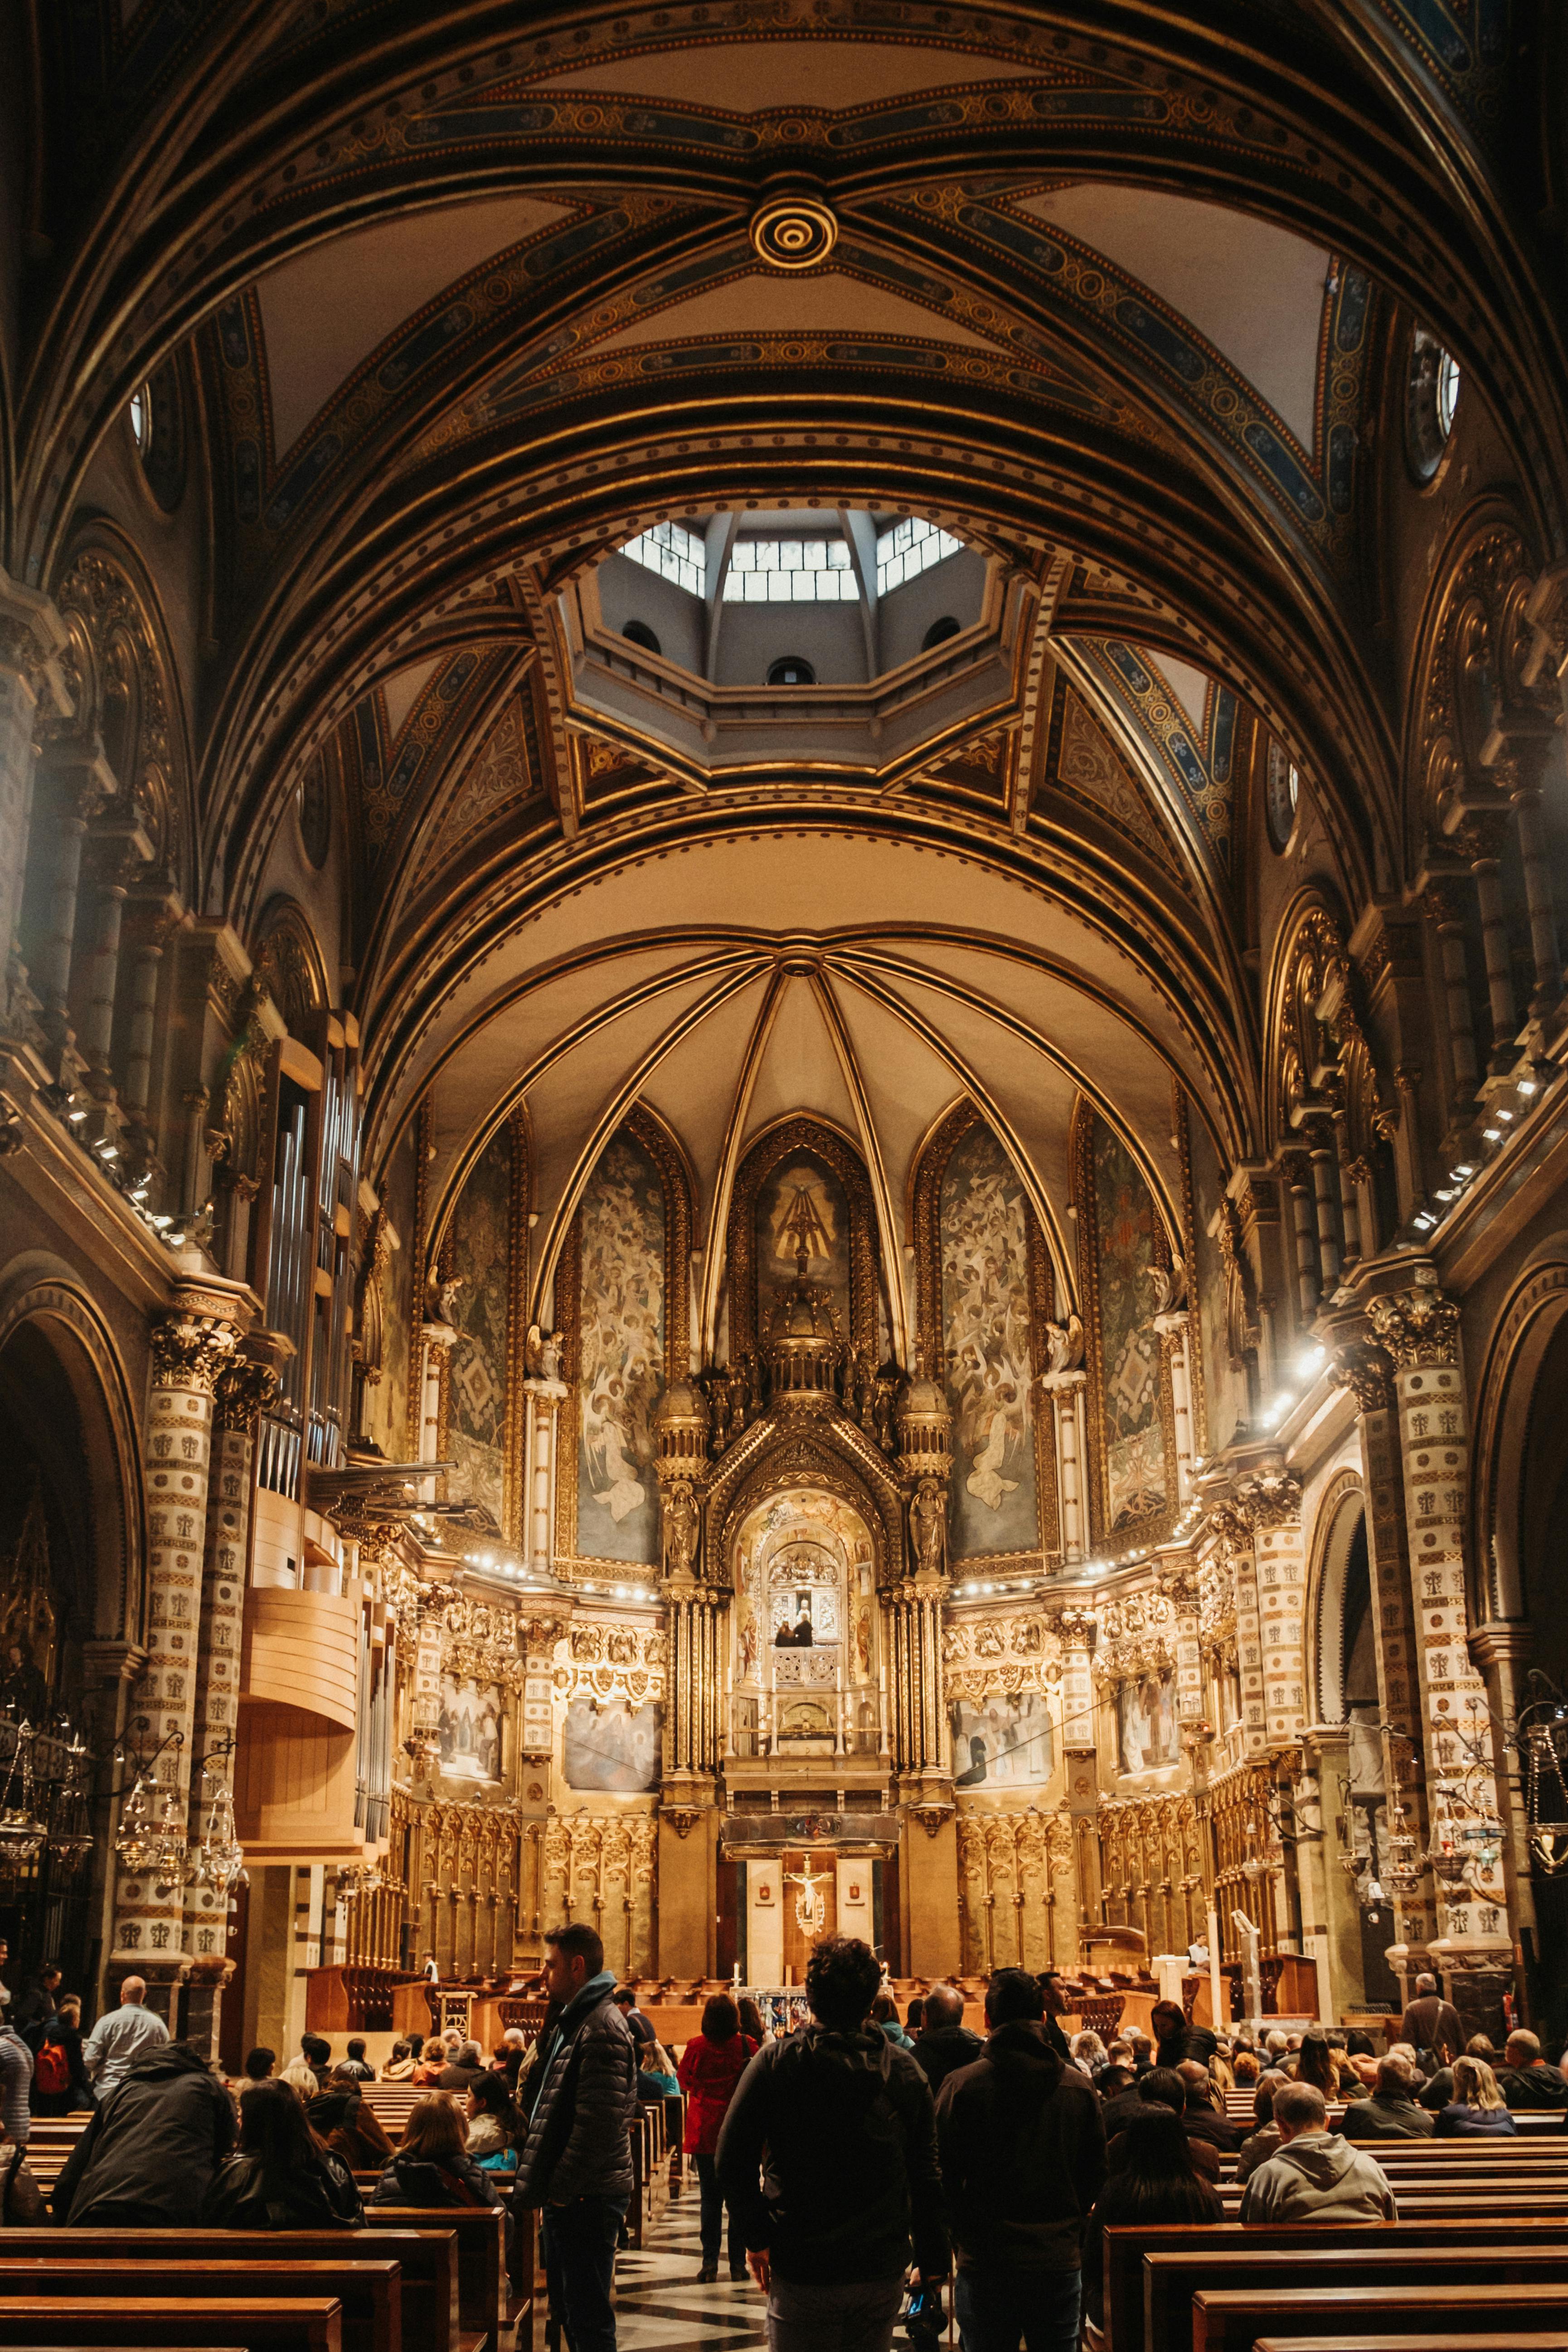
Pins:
<point x="793" y="232"/>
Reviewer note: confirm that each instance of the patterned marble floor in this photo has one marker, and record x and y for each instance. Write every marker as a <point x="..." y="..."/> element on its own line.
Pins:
<point x="658" y="2307"/>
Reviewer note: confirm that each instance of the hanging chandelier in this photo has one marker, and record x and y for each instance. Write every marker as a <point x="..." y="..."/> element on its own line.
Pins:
<point x="219" y="1860"/>
<point x="22" y="1832"/>
<point x="151" y="1839"/>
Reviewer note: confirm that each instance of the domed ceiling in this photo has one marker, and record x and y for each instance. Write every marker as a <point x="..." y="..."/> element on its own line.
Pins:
<point x="460" y="307"/>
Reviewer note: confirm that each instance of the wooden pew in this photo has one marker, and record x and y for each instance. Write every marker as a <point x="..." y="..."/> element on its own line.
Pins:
<point x="117" y="2322"/>
<point x="1172" y="2281"/>
<point x="368" y="2293"/>
<point x="1515" y="2341"/>
<point x="1231" y="2321"/>
<point x="1129" y="2317"/>
<point x="426" y="2261"/>
<point x="480" y="2233"/>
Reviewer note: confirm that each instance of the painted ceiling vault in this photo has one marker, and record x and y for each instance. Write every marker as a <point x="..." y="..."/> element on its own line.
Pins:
<point x="455" y="305"/>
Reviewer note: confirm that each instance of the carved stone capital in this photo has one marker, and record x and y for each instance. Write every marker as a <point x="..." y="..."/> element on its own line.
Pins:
<point x="190" y="1351"/>
<point x="1270" y="1497"/>
<point x="243" y="1389"/>
<point x="683" y="1819"/>
<point x="33" y="639"/>
<point x="1368" y="1373"/>
<point x="1078" y="1628"/>
<point x="1420" y="1326"/>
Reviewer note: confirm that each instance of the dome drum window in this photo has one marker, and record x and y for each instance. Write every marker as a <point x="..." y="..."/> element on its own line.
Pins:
<point x="1282" y="796"/>
<point x="675" y="554"/>
<point x="1432" y="396"/>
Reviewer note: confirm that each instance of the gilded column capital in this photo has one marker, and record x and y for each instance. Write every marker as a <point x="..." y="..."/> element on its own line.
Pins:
<point x="190" y="1350"/>
<point x="1420" y="1326"/>
<point x="244" y="1389"/>
<point x="1078" y="1628"/>
<point x="1270" y="1497"/>
<point x="1367" y="1370"/>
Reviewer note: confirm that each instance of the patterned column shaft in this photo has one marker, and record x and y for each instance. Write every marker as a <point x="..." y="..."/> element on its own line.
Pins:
<point x="190" y="1349"/>
<point x="243" y="1390"/>
<point x="1281" y="1577"/>
<point x="1237" y="1533"/>
<point x="1367" y="1371"/>
<point x="1420" y="1330"/>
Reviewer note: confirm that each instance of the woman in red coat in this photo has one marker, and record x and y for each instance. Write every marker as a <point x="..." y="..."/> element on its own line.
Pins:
<point x="712" y="2063"/>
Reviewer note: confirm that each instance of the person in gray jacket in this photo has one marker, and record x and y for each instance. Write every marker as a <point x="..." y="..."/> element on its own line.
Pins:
<point x="578" y="2101"/>
<point x="1316" y="2176"/>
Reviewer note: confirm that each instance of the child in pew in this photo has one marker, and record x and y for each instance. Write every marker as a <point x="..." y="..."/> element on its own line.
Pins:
<point x="493" y="2126"/>
<point x="1478" y="2110"/>
<point x="280" y="2175"/>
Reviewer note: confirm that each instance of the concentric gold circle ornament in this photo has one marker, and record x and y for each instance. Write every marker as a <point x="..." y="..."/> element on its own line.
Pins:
<point x="793" y="232"/>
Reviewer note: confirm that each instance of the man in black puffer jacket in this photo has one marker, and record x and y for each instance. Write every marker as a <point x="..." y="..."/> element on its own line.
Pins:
<point x="849" y="2132"/>
<point x="1022" y="2160"/>
<point x="147" y="2158"/>
<point x="579" y="2100"/>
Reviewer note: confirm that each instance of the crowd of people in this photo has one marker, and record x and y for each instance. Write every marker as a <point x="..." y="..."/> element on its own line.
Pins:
<point x="829" y="2160"/>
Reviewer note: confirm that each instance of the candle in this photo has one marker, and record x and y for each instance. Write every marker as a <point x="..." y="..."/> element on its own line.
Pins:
<point x="1220" y="2020"/>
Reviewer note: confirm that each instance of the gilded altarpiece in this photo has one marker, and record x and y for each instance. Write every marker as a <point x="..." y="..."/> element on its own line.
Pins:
<point x="1002" y="1678"/>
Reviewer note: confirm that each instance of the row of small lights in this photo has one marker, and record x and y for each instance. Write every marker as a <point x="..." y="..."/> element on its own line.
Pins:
<point x="493" y="1565"/>
<point x="1462" y="1176"/>
<point x="107" y="1154"/>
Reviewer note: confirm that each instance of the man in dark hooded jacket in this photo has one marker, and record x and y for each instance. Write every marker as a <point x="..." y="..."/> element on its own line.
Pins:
<point x="944" y="2042"/>
<point x="576" y="2161"/>
<point x="146" y="2160"/>
<point x="849" y="2133"/>
<point x="1022" y="2160"/>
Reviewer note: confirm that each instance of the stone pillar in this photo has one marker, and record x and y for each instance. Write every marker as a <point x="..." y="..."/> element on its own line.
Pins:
<point x="244" y="1387"/>
<point x="436" y="1342"/>
<point x="1308" y="1288"/>
<point x="1504" y="1653"/>
<point x="545" y="1399"/>
<point x="1479" y="840"/>
<point x="1233" y="1527"/>
<point x="1081" y="1757"/>
<point x="1322" y="1159"/>
<point x="33" y="695"/>
<point x="1181" y="1586"/>
<point x="1365" y="1369"/>
<point x="1537" y="866"/>
<point x="1272" y="1501"/>
<point x="191" y="1347"/>
<point x="1419" y="1331"/>
<point x="1066" y="1389"/>
<point x="1321" y="1874"/>
<point x="1172" y="1331"/>
<point x="1442" y="907"/>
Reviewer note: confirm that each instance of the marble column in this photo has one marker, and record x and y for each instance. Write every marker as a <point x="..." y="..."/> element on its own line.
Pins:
<point x="1172" y="1331"/>
<point x="543" y="1400"/>
<point x="436" y="1342"/>
<point x="191" y="1346"/>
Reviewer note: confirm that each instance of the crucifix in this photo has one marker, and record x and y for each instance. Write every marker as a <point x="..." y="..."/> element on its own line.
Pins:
<point x="810" y="1911"/>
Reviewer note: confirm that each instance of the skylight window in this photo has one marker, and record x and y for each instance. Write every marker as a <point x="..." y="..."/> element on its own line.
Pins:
<point x="674" y="554"/>
<point x="911" y="547"/>
<point x="790" y="572"/>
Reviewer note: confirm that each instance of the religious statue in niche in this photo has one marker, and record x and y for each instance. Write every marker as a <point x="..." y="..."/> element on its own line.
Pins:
<point x="1003" y="1741"/>
<point x="611" y="1749"/>
<point x="29" y="1629"/>
<point x="468" y="1730"/>
<point x="928" y="1522"/>
<point x="1146" y="1722"/>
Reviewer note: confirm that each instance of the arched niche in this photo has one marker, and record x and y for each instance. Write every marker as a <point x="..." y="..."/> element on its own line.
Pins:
<point x="71" y="1549"/>
<point x="806" y="1556"/>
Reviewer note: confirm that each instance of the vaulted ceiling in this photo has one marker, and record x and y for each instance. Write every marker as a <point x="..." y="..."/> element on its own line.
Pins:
<point x="462" y="298"/>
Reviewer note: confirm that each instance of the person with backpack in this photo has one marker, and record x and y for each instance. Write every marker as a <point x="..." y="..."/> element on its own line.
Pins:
<point x="848" y="2129"/>
<point x="281" y="2175"/>
<point x="1021" y="2145"/>
<point x="712" y="2063"/>
<point x="60" y="2087"/>
<point x="432" y="2165"/>
<point x="579" y="2102"/>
